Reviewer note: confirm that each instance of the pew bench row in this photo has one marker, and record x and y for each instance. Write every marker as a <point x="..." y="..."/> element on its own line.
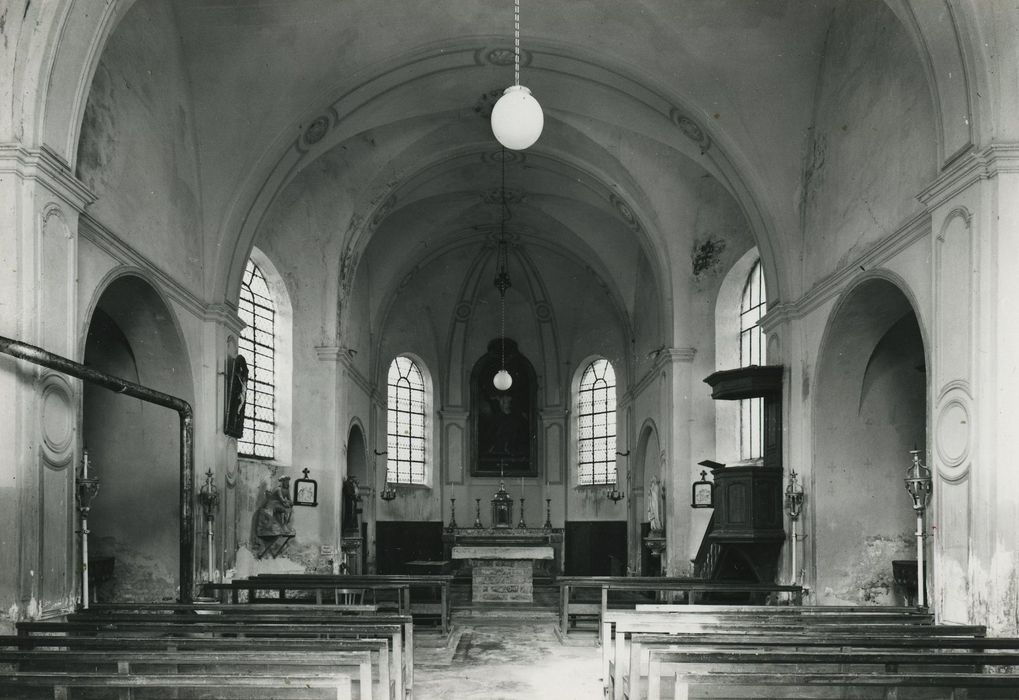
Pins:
<point x="245" y="640"/>
<point x="643" y="646"/>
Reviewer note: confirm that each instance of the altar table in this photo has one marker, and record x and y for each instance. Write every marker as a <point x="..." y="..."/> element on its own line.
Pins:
<point x="502" y="574"/>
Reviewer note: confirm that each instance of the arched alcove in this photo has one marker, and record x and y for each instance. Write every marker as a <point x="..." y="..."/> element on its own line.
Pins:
<point x="869" y="412"/>
<point x="357" y="468"/>
<point x="646" y="466"/>
<point x="134" y="446"/>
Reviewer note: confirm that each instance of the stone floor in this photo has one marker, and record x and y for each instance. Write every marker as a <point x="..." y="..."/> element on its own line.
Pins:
<point x="501" y="658"/>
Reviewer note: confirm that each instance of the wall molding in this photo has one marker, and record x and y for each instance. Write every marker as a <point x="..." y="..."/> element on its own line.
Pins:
<point x="106" y="240"/>
<point x="968" y="170"/>
<point x="44" y="166"/>
<point x="828" y="287"/>
<point x="344" y="357"/>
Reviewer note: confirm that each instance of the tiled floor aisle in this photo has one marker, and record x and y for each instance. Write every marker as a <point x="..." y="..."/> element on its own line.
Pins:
<point x="511" y="660"/>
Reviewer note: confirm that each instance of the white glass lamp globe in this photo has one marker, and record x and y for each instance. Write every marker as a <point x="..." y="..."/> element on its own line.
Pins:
<point x="517" y="119"/>
<point x="502" y="380"/>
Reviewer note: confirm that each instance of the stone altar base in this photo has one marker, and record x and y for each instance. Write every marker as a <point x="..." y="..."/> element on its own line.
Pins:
<point x="502" y="581"/>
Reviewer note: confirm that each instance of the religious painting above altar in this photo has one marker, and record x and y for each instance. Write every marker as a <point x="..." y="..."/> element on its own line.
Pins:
<point x="504" y="422"/>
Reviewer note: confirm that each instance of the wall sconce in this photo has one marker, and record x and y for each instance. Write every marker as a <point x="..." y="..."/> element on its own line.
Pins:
<point x="388" y="493"/>
<point x="614" y="494"/>
<point x="793" y="497"/>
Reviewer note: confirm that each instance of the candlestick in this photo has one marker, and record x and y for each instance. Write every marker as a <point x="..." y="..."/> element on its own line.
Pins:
<point x="548" y="514"/>
<point x="521" y="525"/>
<point x="477" y="518"/>
<point x="452" y="515"/>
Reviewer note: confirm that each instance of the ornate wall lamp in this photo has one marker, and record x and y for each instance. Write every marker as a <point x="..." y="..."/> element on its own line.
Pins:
<point x="208" y="496"/>
<point x="794" y="508"/>
<point x="388" y="493"/>
<point x="613" y="493"/>
<point x="919" y="483"/>
<point x="87" y="489"/>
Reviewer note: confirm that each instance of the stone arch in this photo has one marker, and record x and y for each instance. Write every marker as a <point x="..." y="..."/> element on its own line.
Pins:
<point x="646" y="463"/>
<point x="869" y="411"/>
<point x="133" y="445"/>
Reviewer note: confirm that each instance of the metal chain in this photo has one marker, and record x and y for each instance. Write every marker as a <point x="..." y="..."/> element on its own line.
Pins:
<point x="516" y="42"/>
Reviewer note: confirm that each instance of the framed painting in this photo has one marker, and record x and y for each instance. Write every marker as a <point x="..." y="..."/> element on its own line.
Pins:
<point x="503" y="422"/>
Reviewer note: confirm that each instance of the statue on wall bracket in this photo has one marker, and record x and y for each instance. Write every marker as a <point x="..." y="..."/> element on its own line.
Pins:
<point x="272" y="521"/>
<point x="504" y="425"/>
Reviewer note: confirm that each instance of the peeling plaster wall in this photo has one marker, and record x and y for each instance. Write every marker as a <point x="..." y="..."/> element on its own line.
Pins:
<point x="872" y="147"/>
<point x="137" y="149"/>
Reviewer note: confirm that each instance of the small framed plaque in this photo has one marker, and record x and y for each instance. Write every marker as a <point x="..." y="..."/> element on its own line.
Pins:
<point x="703" y="491"/>
<point x="305" y="491"/>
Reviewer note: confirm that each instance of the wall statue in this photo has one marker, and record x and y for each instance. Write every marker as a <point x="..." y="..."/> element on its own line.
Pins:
<point x="272" y="522"/>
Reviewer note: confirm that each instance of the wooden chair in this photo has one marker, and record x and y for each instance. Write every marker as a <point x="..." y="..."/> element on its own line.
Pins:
<point x="348" y="596"/>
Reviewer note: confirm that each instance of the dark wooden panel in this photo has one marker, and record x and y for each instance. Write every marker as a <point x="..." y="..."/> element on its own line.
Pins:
<point x="400" y="542"/>
<point x="591" y="547"/>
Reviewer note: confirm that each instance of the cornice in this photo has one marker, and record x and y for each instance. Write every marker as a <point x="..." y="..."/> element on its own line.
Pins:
<point x="966" y="171"/>
<point x="225" y="315"/>
<point x="344" y="357"/>
<point x="453" y="414"/>
<point x="114" y="246"/>
<point x="553" y="414"/>
<point x="671" y="356"/>
<point x="44" y="166"/>
<point x="916" y="227"/>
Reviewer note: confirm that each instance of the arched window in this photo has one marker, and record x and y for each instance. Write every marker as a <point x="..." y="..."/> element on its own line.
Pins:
<point x="753" y="306"/>
<point x="596" y="424"/>
<point x="405" y="423"/>
<point x="258" y="345"/>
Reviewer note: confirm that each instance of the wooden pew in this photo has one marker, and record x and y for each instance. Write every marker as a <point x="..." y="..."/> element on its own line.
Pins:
<point x="318" y="589"/>
<point x="396" y="628"/>
<point x="430" y="582"/>
<point x="656" y="585"/>
<point x="244" y="617"/>
<point x="133" y="661"/>
<point x="619" y="625"/>
<point x="850" y="664"/>
<point x="252" y="685"/>
<point x="115" y="648"/>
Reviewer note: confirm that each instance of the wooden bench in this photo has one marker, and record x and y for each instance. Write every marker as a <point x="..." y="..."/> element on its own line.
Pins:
<point x="245" y="685"/>
<point x="398" y="629"/>
<point x="133" y="661"/>
<point x="115" y="649"/>
<point x="664" y="662"/>
<point x="242" y="618"/>
<point x="281" y="590"/>
<point x="691" y="588"/>
<point x="416" y="604"/>
<point x="623" y="655"/>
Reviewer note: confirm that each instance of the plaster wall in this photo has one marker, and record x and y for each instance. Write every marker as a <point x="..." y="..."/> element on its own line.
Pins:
<point x="872" y="147"/>
<point x="137" y="149"/>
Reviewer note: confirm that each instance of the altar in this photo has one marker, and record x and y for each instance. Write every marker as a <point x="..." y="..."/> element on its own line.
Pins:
<point x="500" y="573"/>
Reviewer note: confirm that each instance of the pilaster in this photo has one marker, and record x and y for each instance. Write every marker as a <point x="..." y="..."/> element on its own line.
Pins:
<point x="40" y="200"/>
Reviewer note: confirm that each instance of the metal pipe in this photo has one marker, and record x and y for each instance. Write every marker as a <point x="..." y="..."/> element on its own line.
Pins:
<point x="38" y="356"/>
<point x="920" y="598"/>
<point x="794" y="572"/>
